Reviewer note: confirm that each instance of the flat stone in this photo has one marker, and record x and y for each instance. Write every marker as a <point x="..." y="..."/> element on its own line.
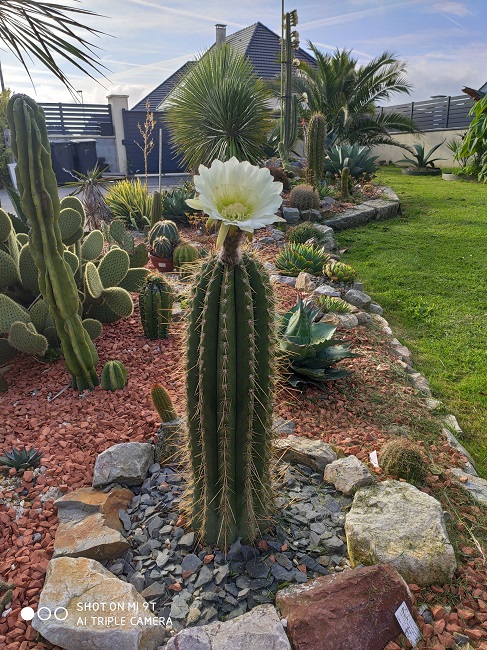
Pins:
<point x="259" y="629"/>
<point x="187" y="540"/>
<point x="257" y="568"/>
<point x="374" y="308"/>
<point x="344" y="611"/>
<point x="126" y="463"/>
<point x="395" y="523"/>
<point x="348" y="474"/>
<point x="291" y="215"/>
<point x="283" y="279"/>
<point x="89" y="524"/>
<point x="281" y="426"/>
<point x="78" y="583"/>
<point x="420" y="383"/>
<point x="363" y="318"/>
<point x="326" y="290"/>
<point x="347" y="321"/>
<point x="205" y="576"/>
<point x="352" y="217"/>
<point x="311" y="215"/>
<point x="384" y="209"/>
<point x="474" y="484"/>
<point x="191" y="562"/>
<point x="358" y="298"/>
<point x="312" y="453"/>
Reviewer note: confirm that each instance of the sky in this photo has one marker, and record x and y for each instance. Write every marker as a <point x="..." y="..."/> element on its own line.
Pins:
<point x="443" y="43"/>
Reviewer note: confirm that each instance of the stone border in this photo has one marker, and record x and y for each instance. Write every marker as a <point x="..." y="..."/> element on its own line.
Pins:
<point x="372" y="210"/>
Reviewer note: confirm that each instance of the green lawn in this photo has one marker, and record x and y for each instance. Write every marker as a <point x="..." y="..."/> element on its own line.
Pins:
<point x="428" y="269"/>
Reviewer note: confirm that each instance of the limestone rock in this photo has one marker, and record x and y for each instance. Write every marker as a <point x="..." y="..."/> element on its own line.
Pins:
<point x="331" y="318"/>
<point x="291" y="215"/>
<point x="77" y="583"/>
<point x="394" y="523"/>
<point x="353" y="610"/>
<point x="283" y="279"/>
<point x="358" y="298"/>
<point x="474" y="484"/>
<point x="374" y="308"/>
<point x="305" y="282"/>
<point x="326" y="290"/>
<point x="348" y="475"/>
<point x="312" y="453"/>
<point x="89" y="524"/>
<point x="420" y="383"/>
<point x="326" y="238"/>
<point x="126" y="463"/>
<point x="384" y="209"/>
<point x="311" y="215"/>
<point x="347" y="321"/>
<point x="259" y="629"/>
<point x="356" y="216"/>
<point x="363" y="318"/>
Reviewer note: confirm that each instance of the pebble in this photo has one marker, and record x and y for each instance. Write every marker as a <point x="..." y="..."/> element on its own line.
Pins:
<point x="196" y="585"/>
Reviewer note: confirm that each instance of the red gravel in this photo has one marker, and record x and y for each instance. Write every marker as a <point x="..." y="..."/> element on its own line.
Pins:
<point x="74" y="428"/>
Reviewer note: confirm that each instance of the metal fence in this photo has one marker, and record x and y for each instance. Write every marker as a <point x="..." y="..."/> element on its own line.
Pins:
<point x="437" y="113"/>
<point x="78" y="119"/>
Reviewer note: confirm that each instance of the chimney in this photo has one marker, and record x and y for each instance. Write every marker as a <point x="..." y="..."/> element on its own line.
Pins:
<point x="221" y="34"/>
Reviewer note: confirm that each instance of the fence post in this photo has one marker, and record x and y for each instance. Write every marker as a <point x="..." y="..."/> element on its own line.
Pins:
<point x="61" y="119"/>
<point x="447" y="111"/>
<point x="412" y="112"/>
<point x="119" y="103"/>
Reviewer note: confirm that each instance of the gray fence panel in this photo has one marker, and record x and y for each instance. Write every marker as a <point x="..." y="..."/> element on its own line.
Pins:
<point x="78" y="119"/>
<point x="436" y="114"/>
<point x="171" y="163"/>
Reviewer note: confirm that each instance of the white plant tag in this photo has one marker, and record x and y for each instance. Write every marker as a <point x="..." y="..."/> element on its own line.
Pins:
<point x="373" y="458"/>
<point x="408" y="626"/>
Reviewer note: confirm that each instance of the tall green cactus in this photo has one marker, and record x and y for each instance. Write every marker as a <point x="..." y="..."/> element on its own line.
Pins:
<point x="40" y="202"/>
<point x="315" y="148"/>
<point x="344" y="184"/>
<point x="155" y="301"/>
<point x="289" y="102"/>
<point x="156" y="210"/>
<point x="229" y="385"/>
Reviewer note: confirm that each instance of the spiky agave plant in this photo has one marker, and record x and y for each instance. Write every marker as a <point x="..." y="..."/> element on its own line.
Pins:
<point x="21" y="458"/>
<point x="296" y="257"/>
<point x="229" y="362"/>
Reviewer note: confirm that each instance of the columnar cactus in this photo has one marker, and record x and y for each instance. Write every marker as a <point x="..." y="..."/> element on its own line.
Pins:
<point x="315" y="148"/>
<point x="155" y="301"/>
<point x="344" y="181"/>
<point x="289" y="102"/>
<point x="163" y="403"/>
<point x="156" y="210"/>
<point x="229" y="361"/>
<point x="40" y="202"/>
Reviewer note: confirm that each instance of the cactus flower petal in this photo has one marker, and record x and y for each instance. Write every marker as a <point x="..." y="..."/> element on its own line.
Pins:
<point x="238" y="194"/>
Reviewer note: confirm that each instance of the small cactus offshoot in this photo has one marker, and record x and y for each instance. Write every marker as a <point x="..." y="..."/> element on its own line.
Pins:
<point x="163" y="403"/>
<point x="113" y="376"/>
<point x="295" y="258"/>
<point x="403" y="458"/>
<point x="21" y="458"/>
<point x="339" y="272"/>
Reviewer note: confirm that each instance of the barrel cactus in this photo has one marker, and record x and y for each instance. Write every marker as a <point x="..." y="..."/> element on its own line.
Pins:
<point x="40" y="202"/>
<point x="164" y="228"/>
<point x="155" y="301"/>
<point x="113" y="376"/>
<point x="185" y="254"/>
<point x="403" y="458"/>
<point x="162" y="247"/>
<point x="229" y="360"/>
<point x="304" y="197"/>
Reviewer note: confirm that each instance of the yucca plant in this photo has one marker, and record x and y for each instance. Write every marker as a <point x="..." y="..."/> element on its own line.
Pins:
<point x="294" y="258"/>
<point x="310" y="348"/>
<point x="220" y="110"/>
<point x="130" y="202"/>
<point x="90" y="187"/>
<point x="21" y="458"/>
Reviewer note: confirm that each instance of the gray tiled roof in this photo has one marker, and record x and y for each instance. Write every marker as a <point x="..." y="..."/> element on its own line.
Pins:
<point x="257" y="42"/>
<point x="160" y="93"/>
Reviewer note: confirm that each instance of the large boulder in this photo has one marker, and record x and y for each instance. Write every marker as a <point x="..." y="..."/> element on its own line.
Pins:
<point x="126" y="463"/>
<point x="259" y="629"/>
<point x="395" y="523"/>
<point x="312" y="453"/>
<point x="85" y="607"/>
<point x="353" y="610"/>
<point x="348" y="475"/>
<point x="89" y="525"/>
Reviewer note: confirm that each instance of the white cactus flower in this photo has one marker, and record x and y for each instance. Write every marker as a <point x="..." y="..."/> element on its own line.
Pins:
<point x="237" y="194"/>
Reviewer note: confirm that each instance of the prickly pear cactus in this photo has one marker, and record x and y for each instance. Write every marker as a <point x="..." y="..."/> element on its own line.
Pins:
<point x="155" y="301"/>
<point x="40" y="203"/>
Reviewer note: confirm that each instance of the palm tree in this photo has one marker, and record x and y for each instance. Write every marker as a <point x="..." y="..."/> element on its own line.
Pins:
<point x="219" y="110"/>
<point x="42" y="30"/>
<point x="347" y="95"/>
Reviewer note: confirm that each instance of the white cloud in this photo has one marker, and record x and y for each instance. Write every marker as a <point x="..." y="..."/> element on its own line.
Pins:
<point x="445" y="7"/>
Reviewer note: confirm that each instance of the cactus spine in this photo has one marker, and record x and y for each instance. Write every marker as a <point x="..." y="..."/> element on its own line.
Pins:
<point x="163" y="403"/>
<point x="316" y="148"/>
<point x="155" y="301"/>
<point x="40" y="202"/>
<point x="229" y="384"/>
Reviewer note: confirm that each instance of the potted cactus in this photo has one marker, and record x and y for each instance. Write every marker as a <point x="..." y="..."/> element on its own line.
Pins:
<point x="163" y="238"/>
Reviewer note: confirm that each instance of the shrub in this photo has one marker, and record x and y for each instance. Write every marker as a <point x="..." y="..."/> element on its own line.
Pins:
<point x="403" y="458"/>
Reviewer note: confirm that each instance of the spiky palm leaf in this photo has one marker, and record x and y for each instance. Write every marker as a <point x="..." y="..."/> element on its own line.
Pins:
<point x="219" y="110"/>
<point x="44" y="30"/>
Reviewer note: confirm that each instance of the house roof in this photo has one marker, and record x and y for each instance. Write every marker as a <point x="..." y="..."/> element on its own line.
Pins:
<point x="257" y="42"/>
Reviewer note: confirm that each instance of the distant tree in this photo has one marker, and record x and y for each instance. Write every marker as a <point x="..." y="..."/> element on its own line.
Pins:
<point x="347" y="94"/>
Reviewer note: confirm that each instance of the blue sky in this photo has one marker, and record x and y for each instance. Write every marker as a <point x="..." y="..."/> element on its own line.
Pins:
<point x="443" y="42"/>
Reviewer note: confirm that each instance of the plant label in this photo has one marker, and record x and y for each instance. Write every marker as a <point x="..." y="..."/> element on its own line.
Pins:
<point x="408" y="626"/>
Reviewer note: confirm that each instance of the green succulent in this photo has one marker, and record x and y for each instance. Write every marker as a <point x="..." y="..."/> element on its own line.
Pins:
<point x="420" y="159"/>
<point x="174" y="204"/>
<point x="302" y="232"/>
<point x="330" y="304"/>
<point x="358" y="159"/>
<point x="339" y="272"/>
<point x="21" y="458"/>
<point x="130" y="202"/>
<point x="294" y="258"/>
<point x="310" y="348"/>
